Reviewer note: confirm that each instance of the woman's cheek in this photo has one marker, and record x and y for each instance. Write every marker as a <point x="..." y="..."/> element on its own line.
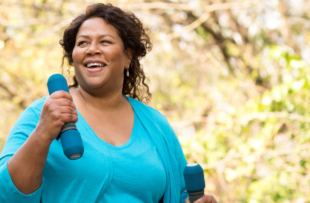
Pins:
<point x="74" y="57"/>
<point x="114" y="53"/>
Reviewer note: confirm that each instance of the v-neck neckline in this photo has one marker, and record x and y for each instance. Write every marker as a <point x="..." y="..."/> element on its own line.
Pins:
<point x="104" y="143"/>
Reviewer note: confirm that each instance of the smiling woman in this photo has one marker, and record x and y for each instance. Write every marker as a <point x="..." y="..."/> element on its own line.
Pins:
<point x="123" y="26"/>
<point x="131" y="153"/>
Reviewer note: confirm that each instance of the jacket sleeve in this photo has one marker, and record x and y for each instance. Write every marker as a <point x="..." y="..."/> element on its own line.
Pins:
<point x="24" y="126"/>
<point x="182" y="164"/>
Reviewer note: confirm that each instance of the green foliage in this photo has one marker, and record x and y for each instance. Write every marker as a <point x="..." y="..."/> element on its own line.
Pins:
<point x="263" y="147"/>
<point x="234" y="87"/>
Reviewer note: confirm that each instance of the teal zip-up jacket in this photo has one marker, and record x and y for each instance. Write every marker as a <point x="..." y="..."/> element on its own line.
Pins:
<point x="87" y="179"/>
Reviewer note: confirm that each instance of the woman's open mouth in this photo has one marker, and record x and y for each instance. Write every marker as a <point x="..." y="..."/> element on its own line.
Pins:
<point x="94" y="67"/>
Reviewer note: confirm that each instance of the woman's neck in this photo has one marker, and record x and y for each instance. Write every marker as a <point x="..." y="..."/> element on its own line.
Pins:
<point x="103" y="103"/>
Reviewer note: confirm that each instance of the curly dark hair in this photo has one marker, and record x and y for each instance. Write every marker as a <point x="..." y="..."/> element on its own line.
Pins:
<point x="133" y="35"/>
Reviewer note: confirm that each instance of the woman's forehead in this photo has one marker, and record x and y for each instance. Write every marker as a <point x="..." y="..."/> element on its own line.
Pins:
<point x="97" y="27"/>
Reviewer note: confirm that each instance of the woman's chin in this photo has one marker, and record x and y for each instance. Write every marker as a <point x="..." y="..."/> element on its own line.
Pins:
<point x="92" y="85"/>
<point x="95" y="86"/>
<point x="99" y="84"/>
<point x="96" y="82"/>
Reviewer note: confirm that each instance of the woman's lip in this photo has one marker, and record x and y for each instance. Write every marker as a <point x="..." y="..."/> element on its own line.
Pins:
<point x="95" y="69"/>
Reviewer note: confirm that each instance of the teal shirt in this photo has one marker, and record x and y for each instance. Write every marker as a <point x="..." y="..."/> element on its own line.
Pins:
<point x="138" y="173"/>
<point x="151" y="157"/>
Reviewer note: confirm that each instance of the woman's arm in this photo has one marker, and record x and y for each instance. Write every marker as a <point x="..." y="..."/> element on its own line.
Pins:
<point x="24" y="169"/>
<point x="27" y="164"/>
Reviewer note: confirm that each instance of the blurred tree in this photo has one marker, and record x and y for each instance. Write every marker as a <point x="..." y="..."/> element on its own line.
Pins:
<point x="231" y="76"/>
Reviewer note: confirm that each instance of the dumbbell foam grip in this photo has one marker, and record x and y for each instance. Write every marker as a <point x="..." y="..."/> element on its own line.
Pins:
<point x="193" y="196"/>
<point x="194" y="181"/>
<point x="70" y="137"/>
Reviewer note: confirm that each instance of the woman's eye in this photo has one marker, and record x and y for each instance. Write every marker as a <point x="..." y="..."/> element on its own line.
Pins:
<point x="82" y="43"/>
<point x="105" y="41"/>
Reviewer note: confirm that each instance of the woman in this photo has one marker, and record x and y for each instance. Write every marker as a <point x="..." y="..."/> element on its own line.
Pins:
<point x="131" y="152"/>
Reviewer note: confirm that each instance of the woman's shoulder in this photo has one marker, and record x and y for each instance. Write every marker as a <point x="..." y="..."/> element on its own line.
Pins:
<point x="150" y="111"/>
<point x="156" y="120"/>
<point x="154" y="117"/>
<point x="38" y="103"/>
<point x="36" y="106"/>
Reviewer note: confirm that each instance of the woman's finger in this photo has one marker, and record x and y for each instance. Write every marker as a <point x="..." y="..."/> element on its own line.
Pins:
<point x="61" y="94"/>
<point x="63" y="109"/>
<point x="206" y="199"/>
<point x="64" y="102"/>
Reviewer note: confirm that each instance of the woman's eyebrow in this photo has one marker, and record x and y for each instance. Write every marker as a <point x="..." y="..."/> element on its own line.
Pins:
<point x="86" y="36"/>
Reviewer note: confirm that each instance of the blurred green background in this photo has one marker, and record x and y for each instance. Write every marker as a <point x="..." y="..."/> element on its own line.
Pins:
<point x="232" y="77"/>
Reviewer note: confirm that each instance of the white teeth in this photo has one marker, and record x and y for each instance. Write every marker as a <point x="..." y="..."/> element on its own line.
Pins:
<point x="94" y="64"/>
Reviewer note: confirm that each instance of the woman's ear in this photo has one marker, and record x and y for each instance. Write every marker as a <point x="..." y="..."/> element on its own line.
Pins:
<point x="129" y="57"/>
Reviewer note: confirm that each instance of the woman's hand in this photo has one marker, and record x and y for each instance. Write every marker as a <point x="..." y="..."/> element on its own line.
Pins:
<point x="57" y="110"/>
<point x="203" y="199"/>
<point x="26" y="165"/>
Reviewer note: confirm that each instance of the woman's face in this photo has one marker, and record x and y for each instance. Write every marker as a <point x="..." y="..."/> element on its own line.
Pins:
<point x="99" y="58"/>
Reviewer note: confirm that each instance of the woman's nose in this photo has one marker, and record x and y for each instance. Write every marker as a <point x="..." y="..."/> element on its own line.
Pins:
<point x="93" y="49"/>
